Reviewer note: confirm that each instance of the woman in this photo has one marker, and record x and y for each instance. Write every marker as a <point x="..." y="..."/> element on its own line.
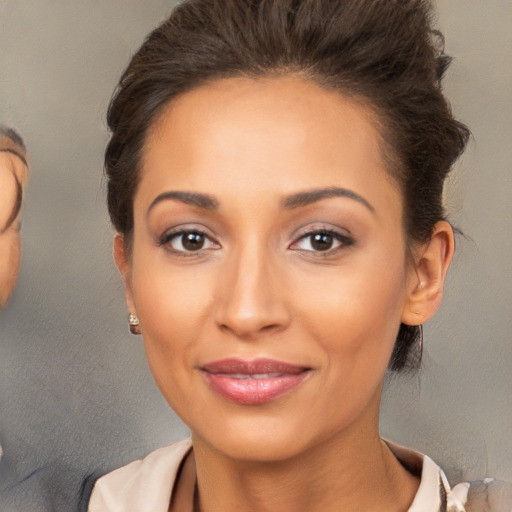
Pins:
<point x="275" y="177"/>
<point x="13" y="176"/>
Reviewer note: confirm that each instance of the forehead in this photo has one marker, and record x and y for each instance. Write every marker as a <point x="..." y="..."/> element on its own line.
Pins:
<point x="245" y="135"/>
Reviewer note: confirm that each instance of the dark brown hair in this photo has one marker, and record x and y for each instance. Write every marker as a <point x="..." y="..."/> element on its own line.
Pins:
<point x="383" y="52"/>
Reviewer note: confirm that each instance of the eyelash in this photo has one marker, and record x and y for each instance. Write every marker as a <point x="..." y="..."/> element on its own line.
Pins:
<point x="167" y="238"/>
<point x="343" y="240"/>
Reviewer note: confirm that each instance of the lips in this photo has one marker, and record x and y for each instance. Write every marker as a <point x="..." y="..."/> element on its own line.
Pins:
<point x="253" y="382"/>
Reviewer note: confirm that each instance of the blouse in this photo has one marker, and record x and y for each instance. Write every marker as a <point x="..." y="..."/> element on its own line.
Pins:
<point x="146" y="485"/>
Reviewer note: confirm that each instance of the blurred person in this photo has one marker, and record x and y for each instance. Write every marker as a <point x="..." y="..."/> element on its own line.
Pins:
<point x="13" y="177"/>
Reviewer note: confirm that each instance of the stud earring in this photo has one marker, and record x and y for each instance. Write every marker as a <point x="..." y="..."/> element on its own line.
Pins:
<point x="133" y="322"/>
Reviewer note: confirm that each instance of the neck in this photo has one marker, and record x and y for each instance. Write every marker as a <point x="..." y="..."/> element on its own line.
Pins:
<point x="353" y="471"/>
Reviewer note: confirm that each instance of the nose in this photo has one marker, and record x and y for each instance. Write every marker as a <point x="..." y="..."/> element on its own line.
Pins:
<point x="251" y="297"/>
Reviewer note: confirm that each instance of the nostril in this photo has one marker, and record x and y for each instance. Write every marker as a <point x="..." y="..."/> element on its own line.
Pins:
<point x="250" y="330"/>
<point x="271" y="327"/>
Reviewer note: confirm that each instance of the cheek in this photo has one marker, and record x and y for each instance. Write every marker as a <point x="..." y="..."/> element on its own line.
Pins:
<point x="354" y="320"/>
<point x="355" y="311"/>
<point x="173" y="308"/>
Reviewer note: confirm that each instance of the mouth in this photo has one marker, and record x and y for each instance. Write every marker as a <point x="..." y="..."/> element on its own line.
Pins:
<point x="253" y="382"/>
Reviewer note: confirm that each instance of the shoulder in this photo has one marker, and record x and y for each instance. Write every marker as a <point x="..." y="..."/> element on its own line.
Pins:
<point x="435" y="494"/>
<point x="487" y="495"/>
<point x="141" y="485"/>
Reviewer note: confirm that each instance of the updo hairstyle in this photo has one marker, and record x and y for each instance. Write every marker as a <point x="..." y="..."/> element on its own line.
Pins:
<point x="382" y="53"/>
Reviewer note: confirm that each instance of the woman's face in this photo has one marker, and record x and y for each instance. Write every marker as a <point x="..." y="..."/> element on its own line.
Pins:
<point x="13" y="175"/>
<point x="268" y="268"/>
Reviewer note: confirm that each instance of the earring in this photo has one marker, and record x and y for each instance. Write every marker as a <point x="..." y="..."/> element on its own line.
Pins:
<point x="133" y="321"/>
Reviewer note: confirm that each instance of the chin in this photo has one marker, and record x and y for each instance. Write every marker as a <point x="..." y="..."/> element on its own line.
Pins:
<point x="263" y="448"/>
<point x="261" y="439"/>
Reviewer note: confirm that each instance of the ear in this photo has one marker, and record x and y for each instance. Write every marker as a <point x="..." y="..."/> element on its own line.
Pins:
<point x="427" y="275"/>
<point x="123" y="264"/>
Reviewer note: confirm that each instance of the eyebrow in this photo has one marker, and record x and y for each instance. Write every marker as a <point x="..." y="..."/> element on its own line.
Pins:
<point x="191" y="198"/>
<point x="312" y="196"/>
<point x="291" y="202"/>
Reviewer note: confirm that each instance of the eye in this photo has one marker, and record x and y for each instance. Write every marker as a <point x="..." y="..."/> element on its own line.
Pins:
<point x="321" y="241"/>
<point x="188" y="241"/>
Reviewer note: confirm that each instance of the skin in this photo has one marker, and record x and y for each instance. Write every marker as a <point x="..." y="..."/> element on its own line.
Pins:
<point x="258" y="289"/>
<point x="13" y="170"/>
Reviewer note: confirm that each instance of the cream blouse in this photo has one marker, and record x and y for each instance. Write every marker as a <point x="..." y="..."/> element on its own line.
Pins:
<point x="146" y="485"/>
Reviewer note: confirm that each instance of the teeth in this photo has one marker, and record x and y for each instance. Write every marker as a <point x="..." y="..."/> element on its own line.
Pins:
<point x="245" y="376"/>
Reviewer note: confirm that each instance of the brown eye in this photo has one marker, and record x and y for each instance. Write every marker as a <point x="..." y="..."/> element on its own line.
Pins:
<point x="321" y="241"/>
<point x="193" y="241"/>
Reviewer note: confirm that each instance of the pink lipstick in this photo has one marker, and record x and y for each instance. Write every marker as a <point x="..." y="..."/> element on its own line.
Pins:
<point x="253" y="382"/>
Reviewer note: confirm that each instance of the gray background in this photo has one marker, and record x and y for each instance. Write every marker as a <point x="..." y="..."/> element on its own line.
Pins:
<point x="76" y="396"/>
